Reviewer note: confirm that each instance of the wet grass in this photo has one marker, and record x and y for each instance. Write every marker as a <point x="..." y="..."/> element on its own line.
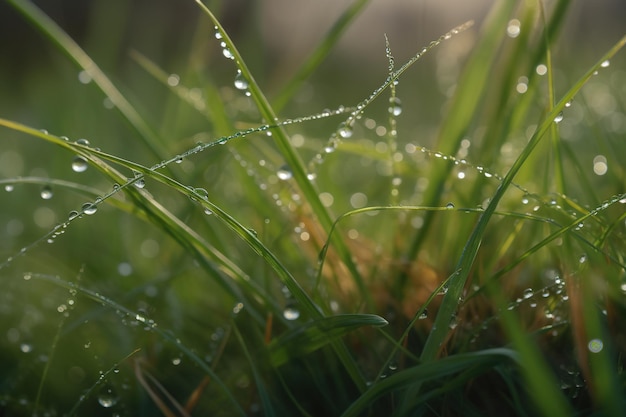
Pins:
<point x="216" y="254"/>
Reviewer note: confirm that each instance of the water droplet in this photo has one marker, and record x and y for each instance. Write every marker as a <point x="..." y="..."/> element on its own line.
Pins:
<point x="89" y="208"/>
<point x="568" y="103"/>
<point x="395" y="106"/>
<point x="227" y="53"/>
<point x="513" y="29"/>
<point x="173" y="80"/>
<point x="176" y="361"/>
<point x="344" y="130"/>
<point x="240" y="81"/>
<point x="218" y="34"/>
<point x="450" y="205"/>
<point x="46" y="192"/>
<point x="424" y="315"/>
<point x="79" y="164"/>
<point x="203" y="193"/>
<point x="82" y="141"/>
<point x="443" y="290"/>
<point x="8" y="188"/>
<point x="453" y="323"/>
<point x="107" y="397"/>
<point x="583" y="258"/>
<point x="558" y="118"/>
<point x="179" y="160"/>
<point x="140" y="183"/>
<point x="528" y="292"/>
<point x="595" y="345"/>
<point x="73" y="214"/>
<point x="238" y="307"/>
<point x="605" y="63"/>
<point x="291" y="313"/>
<point x="284" y="173"/>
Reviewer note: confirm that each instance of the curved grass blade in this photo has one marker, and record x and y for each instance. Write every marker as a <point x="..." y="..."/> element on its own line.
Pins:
<point x="302" y="340"/>
<point x="481" y="361"/>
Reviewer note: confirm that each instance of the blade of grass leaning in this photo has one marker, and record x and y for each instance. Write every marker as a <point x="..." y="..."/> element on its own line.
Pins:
<point x="464" y="266"/>
<point x="319" y="54"/>
<point x="48" y="27"/>
<point x="484" y="360"/>
<point x="157" y="214"/>
<point x="309" y="194"/>
<point x="305" y="339"/>
<point x="292" y="159"/>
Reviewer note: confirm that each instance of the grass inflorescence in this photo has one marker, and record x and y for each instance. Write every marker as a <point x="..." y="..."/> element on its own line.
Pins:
<point x="230" y="257"/>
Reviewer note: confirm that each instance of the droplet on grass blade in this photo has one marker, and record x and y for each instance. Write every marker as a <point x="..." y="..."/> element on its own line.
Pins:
<point x="284" y="173"/>
<point x="240" y="81"/>
<point x="46" y="192"/>
<point x="291" y="313"/>
<point x="79" y="164"/>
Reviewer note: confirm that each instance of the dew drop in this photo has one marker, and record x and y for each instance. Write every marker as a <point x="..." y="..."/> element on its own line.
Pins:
<point x="605" y="63"/>
<point x="140" y="183"/>
<point x="450" y="206"/>
<point x="73" y="214"/>
<point x="203" y="193"/>
<point x="173" y="80"/>
<point x="528" y="292"/>
<point x="595" y="345"/>
<point x="8" y="188"/>
<point x="89" y="208"/>
<point x="240" y="81"/>
<point x="46" y="192"/>
<point x="176" y="361"/>
<point x="291" y="313"/>
<point x="513" y="29"/>
<point x="583" y="258"/>
<point x="82" y="141"/>
<point x="284" y="173"/>
<point x="218" y="34"/>
<point x="227" y="53"/>
<point x="395" y="106"/>
<point x="344" y="130"/>
<point x="107" y="397"/>
<point x="79" y="164"/>
<point x="424" y="315"/>
<point x="558" y="118"/>
<point x="568" y="103"/>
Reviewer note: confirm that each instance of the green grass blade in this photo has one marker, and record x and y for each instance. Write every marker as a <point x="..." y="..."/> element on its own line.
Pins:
<point x="313" y="335"/>
<point x="483" y="360"/>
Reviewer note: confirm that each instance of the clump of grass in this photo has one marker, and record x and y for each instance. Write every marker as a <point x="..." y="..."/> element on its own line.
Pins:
<point x="248" y="263"/>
